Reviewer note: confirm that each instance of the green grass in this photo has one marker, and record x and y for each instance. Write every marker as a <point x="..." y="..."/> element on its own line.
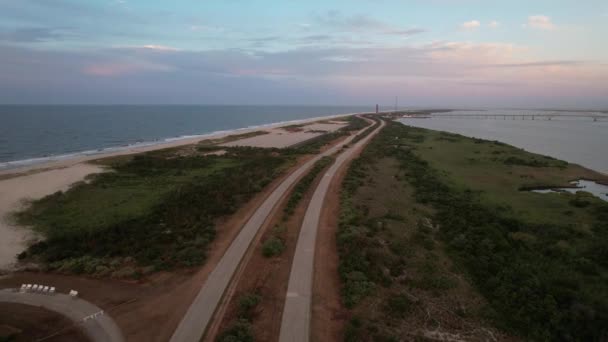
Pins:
<point x="481" y="166"/>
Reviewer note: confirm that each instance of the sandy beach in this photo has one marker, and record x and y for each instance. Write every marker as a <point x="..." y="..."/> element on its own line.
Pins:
<point x="13" y="193"/>
<point x="280" y="137"/>
<point x="36" y="181"/>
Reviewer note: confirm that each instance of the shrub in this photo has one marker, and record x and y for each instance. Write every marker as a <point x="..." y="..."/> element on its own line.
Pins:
<point x="272" y="247"/>
<point x="581" y="199"/>
<point x="525" y="162"/>
<point x="247" y="303"/>
<point x="240" y="331"/>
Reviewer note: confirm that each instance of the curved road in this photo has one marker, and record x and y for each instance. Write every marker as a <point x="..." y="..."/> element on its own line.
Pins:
<point x="196" y="320"/>
<point x="98" y="326"/>
<point x="295" y="323"/>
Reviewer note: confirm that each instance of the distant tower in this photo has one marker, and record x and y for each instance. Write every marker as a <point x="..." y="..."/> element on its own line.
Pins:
<point x="396" y="103"/>
<point x="377" y="111"/>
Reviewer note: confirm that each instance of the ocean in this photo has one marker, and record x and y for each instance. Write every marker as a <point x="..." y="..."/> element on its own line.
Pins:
<point x="37" y="134"/>
<point x="577" y="140"/>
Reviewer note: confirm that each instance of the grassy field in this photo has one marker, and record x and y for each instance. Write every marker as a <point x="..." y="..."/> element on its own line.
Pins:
<point x="499" y="171"/>
<point x="437" y="238"/>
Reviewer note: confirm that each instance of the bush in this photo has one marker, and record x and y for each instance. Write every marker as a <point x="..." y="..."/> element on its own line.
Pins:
<point x="247" y="303"/>
<point x="526" y="162"/>
<point x="581" y="199"/>
<point x="240" y="331"/>
<point x="272" y="247"/>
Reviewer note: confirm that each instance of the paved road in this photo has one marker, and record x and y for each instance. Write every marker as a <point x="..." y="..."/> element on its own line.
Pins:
<point x="97" y="325"/>
<point x="295" y="323"/>
<point x="194" y="324"/>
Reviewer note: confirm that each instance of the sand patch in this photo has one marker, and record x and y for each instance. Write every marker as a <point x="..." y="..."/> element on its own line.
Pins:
<point x="14" y="192"/>
<point x="280" y="138"/>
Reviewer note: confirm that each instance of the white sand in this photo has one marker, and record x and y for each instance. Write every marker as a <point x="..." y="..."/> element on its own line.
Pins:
<point x="14" y="191"/>
<point x="37" y="181"/>
<point x="280" y="138"/>
<point x="328" y="127"/>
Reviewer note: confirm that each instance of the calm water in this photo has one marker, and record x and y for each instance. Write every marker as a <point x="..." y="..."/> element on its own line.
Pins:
<point x="576" y="140"/>
<point x="32" y="134"/>
<point x="596" y="189"/>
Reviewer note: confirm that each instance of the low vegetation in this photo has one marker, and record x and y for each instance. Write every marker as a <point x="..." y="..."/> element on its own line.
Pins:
<point x="241" y="329"/>
<point x="430" y="221"/>
<point x="304" y="184"/>
<point x="154" y="210"/>
<point x="274" y="244"/>
<point x="367" y="131"/>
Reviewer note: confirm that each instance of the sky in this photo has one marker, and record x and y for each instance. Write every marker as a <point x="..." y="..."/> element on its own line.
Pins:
<point x="440" y="53"/>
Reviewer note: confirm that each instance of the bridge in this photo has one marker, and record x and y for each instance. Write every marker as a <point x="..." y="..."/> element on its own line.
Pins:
<point x="524" y="116"/>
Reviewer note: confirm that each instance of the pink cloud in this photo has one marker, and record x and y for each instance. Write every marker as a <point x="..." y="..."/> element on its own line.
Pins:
<point x="261" y="72"/>
<point x="124" y="68"/>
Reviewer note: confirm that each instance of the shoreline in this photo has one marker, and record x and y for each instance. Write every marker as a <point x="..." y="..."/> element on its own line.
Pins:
<point x="31" y="182"/>
<point x="574" y="151"/>
<point x="19" y="167"/>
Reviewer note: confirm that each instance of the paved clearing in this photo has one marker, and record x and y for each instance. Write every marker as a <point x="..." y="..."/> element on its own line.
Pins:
<point x="194" y="324"/>
<point x="295" y="324"/>
<point x="98" y="326"/>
